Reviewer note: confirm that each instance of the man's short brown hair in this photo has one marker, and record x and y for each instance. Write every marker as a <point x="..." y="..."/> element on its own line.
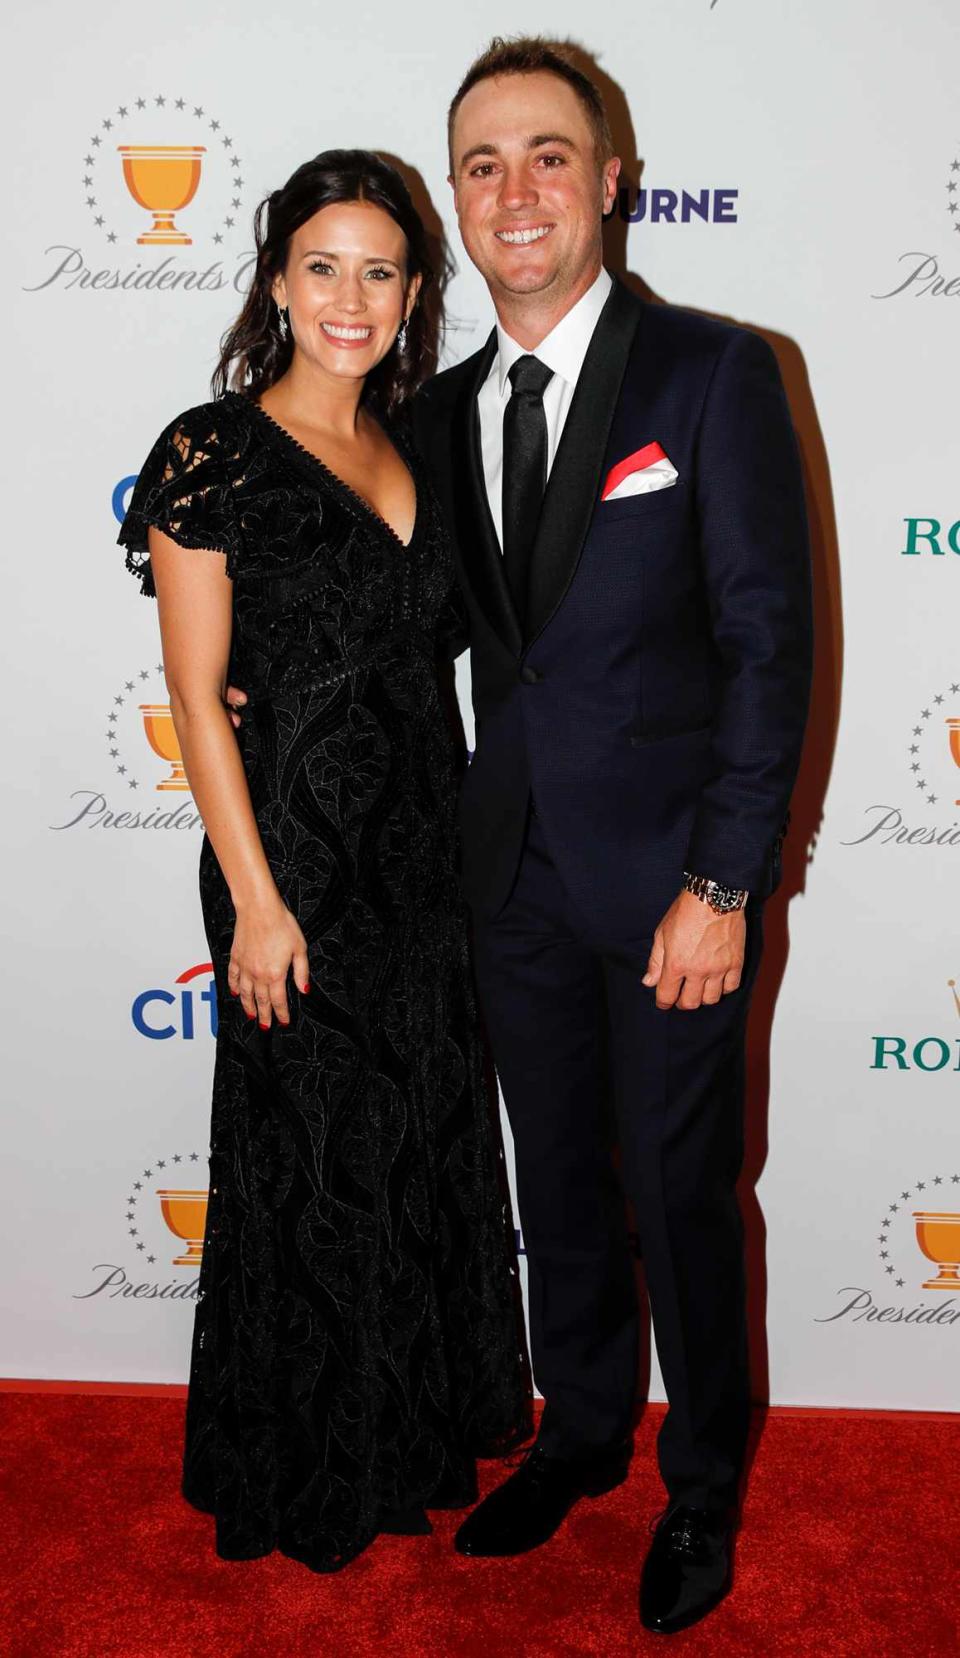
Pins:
<point x="530" y="55"/>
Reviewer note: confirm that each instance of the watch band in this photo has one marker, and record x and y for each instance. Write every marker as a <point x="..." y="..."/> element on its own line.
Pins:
<point x="722" y="900"/>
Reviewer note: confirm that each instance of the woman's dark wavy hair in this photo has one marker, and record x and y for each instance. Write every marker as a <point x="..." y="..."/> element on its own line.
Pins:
<point x="253" y="355"/>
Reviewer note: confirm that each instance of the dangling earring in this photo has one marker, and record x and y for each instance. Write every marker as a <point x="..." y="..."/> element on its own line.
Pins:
<point x="282" y="322"/>
<point x="402" y="336"/>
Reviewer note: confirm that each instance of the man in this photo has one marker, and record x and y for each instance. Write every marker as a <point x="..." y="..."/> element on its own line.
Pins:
<point x="623" y="484"/>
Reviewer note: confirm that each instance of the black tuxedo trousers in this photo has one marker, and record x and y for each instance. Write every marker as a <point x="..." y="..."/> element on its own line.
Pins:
<point x="586" y="1058"/>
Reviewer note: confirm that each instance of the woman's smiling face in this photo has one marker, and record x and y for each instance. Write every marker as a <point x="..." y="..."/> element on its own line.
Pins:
<point x="345" y="288"/>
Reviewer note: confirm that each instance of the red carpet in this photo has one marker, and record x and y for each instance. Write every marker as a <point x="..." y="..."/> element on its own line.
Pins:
<point x="848" y="1550"/>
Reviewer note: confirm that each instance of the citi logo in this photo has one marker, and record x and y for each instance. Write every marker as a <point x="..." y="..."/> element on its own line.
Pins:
<point x="930" y="535"/>
<point x="672" y="207"/>
<point x="120" y="497"/>
<point x="161" y="1014"/>
<point x="927" y="1053"/>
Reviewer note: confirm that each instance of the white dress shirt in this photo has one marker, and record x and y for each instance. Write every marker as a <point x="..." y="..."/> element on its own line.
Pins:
<point x="563" y="351"/>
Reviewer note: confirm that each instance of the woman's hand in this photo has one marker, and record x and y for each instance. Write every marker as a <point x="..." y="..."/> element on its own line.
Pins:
<point x="266" y="943"/>
<point x="236" y="701"/>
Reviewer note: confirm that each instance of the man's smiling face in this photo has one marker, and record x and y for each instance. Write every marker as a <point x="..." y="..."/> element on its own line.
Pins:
<point x="529" y="187"/>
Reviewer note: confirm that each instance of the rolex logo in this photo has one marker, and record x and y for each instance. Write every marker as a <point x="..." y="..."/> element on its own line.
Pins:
<point x="931" y="1053"/>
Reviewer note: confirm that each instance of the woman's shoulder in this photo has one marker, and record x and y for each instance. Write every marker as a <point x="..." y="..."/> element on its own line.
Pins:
<point x="207" y="431"/>
<point x="187" y="485"/>
<point x="199" y="446"/>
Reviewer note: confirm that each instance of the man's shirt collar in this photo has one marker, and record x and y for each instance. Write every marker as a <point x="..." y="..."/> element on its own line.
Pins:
<point x="564" y="348"/>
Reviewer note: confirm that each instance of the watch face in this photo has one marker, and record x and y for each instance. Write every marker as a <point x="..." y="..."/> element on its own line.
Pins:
<point x="720" y="899"/>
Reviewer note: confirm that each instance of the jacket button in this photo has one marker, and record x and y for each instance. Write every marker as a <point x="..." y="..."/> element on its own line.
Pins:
<point x="529" y="675"/>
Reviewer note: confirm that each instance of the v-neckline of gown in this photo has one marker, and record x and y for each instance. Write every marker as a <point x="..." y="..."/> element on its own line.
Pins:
<point x="340" y="483"/>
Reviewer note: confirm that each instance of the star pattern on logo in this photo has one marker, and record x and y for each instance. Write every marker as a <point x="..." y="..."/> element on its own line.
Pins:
<point x="930" y="724"/>
<point x="884" y="1238"/>
<point x="113" y="735"/>
<point x="137" y="1189"/>
<point x="160" y="101"/>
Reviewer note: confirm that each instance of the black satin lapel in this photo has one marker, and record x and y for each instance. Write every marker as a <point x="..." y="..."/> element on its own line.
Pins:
<point x="479" y="549"/>
<point x="575" y="477"/>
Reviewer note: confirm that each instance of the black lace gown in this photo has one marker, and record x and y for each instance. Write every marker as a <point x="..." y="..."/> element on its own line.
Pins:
<point x="357" y="1341"/>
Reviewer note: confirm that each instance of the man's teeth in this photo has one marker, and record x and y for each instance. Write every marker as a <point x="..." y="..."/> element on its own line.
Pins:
<point x="347" y="333"/>
<point x="521" y="237"/>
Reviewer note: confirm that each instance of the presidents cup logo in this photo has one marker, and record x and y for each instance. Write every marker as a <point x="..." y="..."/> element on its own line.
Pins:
<point x="162" y="737"/>
<point x="161" y="191"/>
<point x="917" y="1252"/>
<point x="163" y="178"/>
<point x="920" y="271"/>
<point x="924" y="810"/>
<point x="141" y="757"/>
<point x="165" y="1213"/>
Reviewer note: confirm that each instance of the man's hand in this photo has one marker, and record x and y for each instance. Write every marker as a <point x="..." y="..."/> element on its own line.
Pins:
<point x="235" y="701"/>
<point x="697" y="956"/>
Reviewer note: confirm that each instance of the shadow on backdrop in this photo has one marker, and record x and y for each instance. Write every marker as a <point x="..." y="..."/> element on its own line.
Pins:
<point x="817" y="760"/>
<point x="441" y="258"/>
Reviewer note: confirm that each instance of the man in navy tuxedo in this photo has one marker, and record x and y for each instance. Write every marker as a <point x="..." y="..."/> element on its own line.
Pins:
<point x="623" y="485"/>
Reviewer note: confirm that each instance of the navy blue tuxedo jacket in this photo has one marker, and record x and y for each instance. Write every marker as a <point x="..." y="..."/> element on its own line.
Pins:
<point x="655" y="704"/>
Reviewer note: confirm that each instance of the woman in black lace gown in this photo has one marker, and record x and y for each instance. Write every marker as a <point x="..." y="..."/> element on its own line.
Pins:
<point x="356" y="1342"/>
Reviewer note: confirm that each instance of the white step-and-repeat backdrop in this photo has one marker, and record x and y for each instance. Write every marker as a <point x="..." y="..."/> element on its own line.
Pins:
<point x="796" y="168"/>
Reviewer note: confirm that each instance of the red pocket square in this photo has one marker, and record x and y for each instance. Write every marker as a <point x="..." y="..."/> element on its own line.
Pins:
<point x="639" y="461"/>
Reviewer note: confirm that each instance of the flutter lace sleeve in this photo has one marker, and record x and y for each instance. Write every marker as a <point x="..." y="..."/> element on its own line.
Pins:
<point x="186" y="488"/>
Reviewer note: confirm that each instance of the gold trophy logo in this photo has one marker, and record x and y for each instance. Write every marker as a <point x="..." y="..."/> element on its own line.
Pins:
<point x="185" y="1213"/>
<point x="163" y="178"/>
<point x="953" y="726"/>
<point x="162" y="737"/>
<point x="938" y="1235"/>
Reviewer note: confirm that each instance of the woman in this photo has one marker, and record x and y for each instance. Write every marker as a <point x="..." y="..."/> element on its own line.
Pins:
<point x="356" y="1343"/>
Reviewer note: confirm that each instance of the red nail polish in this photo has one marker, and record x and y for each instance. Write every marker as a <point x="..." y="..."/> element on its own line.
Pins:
<point x="234" y="993"/>
<point x="263" y="1026"/>
<point x="306" y="988"/>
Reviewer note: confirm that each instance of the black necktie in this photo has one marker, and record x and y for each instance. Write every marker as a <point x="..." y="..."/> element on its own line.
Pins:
<point x="524" y="472"/>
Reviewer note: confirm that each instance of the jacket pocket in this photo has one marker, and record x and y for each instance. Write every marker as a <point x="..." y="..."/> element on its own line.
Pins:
<point x="635" y="508"/>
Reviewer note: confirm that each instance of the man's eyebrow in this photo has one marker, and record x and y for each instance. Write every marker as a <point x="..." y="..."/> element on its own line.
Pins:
<point x="532" y="143"/>
<point x="478" y="149"/>
<point x="550" y="138"/>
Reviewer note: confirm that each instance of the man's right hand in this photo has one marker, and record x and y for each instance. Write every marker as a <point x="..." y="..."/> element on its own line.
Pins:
<point x="235" y="701"/>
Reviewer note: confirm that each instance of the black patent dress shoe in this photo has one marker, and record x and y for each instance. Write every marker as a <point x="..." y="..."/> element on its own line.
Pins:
<point x="689" y="1568"/>
<point x="527" y="1509"/>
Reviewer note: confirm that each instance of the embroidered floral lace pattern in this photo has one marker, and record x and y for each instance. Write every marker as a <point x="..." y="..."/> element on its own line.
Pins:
<point x="356" y="1342"/>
